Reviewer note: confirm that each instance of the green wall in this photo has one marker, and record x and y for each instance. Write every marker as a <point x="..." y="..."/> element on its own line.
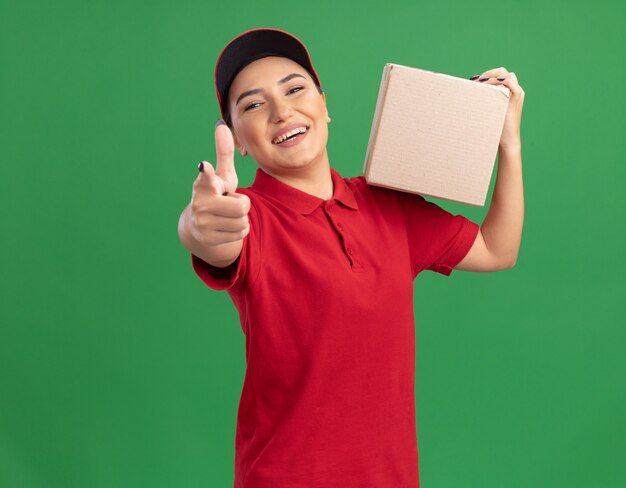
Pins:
<point x="120" y="368"/>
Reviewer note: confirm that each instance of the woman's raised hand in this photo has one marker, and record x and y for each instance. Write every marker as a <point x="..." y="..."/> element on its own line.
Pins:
<point x="511" y="133"/>
<point x="219" y="215"/>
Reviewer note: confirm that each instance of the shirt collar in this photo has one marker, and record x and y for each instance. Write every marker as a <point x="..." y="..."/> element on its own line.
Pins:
<point x="303" y="202"/>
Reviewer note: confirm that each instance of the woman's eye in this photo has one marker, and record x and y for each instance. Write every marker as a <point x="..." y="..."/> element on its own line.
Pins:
<point x="293" y="90"/>
<point x="250" y="106"/>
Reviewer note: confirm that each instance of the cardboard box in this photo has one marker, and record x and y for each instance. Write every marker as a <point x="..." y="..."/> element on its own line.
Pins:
<point x="435" y="134"/>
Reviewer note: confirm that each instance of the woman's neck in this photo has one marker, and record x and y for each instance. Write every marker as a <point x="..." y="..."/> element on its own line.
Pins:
<point x="315" y="180"/>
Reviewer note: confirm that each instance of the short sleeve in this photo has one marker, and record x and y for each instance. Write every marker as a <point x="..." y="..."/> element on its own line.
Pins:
<point x="438" y="240"/>
<point x="242" y="271"/>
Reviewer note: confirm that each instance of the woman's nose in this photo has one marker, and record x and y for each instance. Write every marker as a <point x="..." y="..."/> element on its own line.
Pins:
<point x="281" y="110"/>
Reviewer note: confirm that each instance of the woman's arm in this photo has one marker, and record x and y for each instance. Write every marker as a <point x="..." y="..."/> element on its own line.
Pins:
<point x="497" y="245"/>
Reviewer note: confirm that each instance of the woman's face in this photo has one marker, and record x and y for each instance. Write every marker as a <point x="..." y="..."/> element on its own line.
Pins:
<point x="275" y="104"/>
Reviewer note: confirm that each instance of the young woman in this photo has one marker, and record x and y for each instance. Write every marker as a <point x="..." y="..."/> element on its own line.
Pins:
<point x="321" y="269"/>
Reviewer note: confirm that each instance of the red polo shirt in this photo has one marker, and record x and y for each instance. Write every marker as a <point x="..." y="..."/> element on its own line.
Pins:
<point x="324" y="290"/>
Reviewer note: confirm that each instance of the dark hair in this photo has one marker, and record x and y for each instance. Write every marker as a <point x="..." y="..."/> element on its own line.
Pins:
<point x="228" y="120"/>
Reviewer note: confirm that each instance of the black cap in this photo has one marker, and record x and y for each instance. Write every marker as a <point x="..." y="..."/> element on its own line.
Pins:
<point x="256" y="44"/>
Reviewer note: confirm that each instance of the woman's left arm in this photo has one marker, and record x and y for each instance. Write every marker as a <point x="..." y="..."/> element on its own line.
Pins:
<point x="497" y="245"/>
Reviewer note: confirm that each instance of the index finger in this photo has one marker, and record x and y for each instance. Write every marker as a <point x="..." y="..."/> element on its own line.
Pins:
<point x="225" y="149"/>
<point x="210" y="181"/>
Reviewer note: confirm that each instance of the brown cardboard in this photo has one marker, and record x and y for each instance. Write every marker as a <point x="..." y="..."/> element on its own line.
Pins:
<point x="435" y="134"/>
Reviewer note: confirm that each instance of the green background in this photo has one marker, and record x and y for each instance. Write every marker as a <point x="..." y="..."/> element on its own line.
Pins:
<point x="120" y="368"/>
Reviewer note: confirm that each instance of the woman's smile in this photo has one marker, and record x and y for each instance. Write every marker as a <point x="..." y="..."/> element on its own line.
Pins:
<point x="292" y="141"/>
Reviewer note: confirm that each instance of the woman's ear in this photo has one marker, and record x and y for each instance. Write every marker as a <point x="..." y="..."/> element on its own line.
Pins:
<point x="325" y="107"/>
<point x="241" y="150"/>
<point x="238" y="145"/>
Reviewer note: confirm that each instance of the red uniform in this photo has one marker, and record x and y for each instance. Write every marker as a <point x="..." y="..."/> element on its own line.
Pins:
<point x="324" y="290"/>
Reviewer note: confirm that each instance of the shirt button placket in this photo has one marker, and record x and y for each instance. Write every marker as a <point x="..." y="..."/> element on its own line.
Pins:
<point x="355" y="263"/>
